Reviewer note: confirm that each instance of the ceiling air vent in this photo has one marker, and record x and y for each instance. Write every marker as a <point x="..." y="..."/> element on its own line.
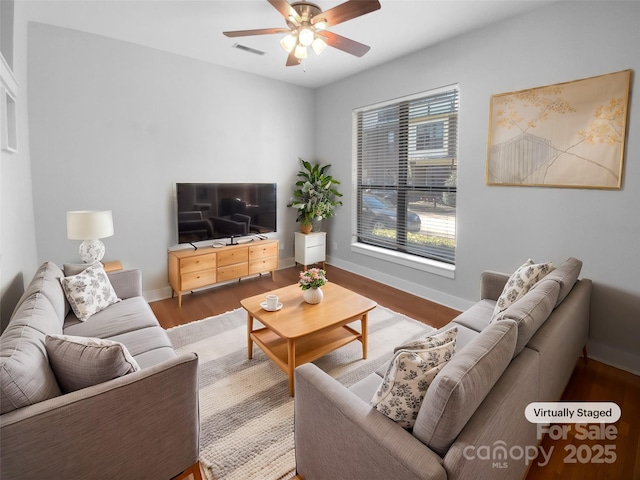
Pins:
<point x="248" y="49"/>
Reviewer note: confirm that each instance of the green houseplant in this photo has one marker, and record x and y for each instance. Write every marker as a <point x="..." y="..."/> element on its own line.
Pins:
<point x="314" y="195"/>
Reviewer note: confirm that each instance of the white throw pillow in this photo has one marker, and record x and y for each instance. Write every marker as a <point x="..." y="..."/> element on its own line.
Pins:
<point x="411" y="371"/>
<point x="519" y="283"/>
<point x="89" y="292"/>
<point x="80" y="362"/>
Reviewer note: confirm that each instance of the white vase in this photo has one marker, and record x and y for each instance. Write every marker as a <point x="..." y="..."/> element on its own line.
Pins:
<point x="312" y="295"/>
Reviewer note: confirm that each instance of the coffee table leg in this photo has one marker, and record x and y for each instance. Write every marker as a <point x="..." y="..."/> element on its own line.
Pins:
<point x="249" y="341"/>
<point x="291" y="362"/>
<point x="365" y="334"/>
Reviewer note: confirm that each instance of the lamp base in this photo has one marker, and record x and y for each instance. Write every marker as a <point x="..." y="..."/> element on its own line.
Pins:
<point x="91" y="251"/>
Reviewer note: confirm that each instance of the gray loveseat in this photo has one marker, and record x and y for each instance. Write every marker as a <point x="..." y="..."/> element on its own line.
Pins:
<point x="144" y="424"/>
<point x="477" y="400"/>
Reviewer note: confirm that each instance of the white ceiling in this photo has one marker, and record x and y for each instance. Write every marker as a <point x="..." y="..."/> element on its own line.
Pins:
<point x="193" y="28"/>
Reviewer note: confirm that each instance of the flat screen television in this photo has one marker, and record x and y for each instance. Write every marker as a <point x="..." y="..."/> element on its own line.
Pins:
<point x="210" y="211"/>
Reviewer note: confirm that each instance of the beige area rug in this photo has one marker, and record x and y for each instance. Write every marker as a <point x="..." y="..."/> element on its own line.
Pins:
<point x="246" y="414"/>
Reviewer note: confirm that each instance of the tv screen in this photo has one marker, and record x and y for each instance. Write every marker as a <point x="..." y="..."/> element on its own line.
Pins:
<point x="209" y="211"/>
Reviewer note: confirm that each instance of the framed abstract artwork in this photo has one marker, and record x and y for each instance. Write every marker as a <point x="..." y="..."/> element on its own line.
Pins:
<point x="568" y="135"/>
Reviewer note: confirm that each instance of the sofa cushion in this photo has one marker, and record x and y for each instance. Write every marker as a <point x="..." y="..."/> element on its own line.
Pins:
<point x="71" y="269"/>
<point x="477" y="316"/>
<point x="520" y="282"/>
<point x="80" y="362"/>
<point x="531" y="311"/>
<point x="25" y="375"/>
<point x="566" y="275"/>
<point x="122" y="317"/>
<point x="89" y="291"/>
<point x="148" y="346"/>
<point x="411" y="371"/>
<point x="462" y="385"/>
<point x="46" y="281"/>
<point x="155" y="356"/>
<point x="431" y="340"/>
<point x="464" y="336"/>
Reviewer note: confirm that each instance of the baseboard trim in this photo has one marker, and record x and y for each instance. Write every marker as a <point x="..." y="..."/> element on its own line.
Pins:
<point x="406" y="286"/>
<point x="622" y="359"/>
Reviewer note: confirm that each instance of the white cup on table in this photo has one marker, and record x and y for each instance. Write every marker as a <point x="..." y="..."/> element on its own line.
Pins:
<point x="272" y="302"/>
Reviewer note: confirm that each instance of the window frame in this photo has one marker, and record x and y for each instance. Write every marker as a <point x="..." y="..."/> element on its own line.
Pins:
<point x="408" y="131"/>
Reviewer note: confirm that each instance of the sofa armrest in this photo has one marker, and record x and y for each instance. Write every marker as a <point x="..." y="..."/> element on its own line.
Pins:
<point x="492" y="284"/>
<point x="337" y="435"/>
<point x="126" y="283"/>
<point x="145" y="424"/>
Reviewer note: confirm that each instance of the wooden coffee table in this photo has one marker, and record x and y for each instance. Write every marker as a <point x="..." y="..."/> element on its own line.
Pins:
<point x="299" y="333"/>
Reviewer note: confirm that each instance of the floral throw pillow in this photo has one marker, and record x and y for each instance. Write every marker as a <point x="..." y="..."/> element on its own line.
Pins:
<point x="411" y="371"/>
<point x="89" y="292"/>
<point x="520" y="283"/>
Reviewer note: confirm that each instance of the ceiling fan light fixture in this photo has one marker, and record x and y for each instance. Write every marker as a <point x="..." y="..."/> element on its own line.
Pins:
<point x="318" y="45"/>
<point x="306" y="36"/>
<point x="301" y="52"/>
<point x="288" y="42"/>
<point x="306" y="26"/>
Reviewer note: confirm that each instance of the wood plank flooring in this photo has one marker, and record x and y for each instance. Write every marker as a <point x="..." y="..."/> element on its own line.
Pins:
<point x="591" y="380"/>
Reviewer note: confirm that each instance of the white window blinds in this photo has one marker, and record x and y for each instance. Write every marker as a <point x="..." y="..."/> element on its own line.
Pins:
<point x="405" y="154"/>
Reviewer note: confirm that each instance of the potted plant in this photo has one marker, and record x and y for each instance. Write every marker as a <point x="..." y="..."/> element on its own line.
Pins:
<point x="314" y="195"/>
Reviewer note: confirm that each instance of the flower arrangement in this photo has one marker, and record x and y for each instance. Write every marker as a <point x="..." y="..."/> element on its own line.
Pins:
<point x="313" y="278"/>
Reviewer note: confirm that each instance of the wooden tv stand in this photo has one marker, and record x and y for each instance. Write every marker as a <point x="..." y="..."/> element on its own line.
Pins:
<point x="206" y="266"/>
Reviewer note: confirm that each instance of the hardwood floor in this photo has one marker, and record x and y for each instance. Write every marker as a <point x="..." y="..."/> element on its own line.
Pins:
<point x="224" y="298"/>
<point x="591" y="380"/>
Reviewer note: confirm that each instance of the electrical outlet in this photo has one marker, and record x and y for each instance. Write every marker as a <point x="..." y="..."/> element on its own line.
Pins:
<point x="281" y="245"/>
<point x="335" y="246"/>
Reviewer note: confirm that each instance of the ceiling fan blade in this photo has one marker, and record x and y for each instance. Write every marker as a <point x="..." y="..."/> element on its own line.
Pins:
<point x="261" y="31"/>
<point x="346" y="11"/>
<point x="345" y="44"/>
<point x="285" y="9"/>
<point x="292" y="60"/>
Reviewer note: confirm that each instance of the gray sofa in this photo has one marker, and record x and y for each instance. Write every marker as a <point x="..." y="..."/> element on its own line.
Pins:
<point x="477" y="400"/>
<point x="144" y="424"/>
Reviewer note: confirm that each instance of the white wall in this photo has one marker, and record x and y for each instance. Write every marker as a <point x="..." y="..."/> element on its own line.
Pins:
<point x="18" y="255"/>
<point x="114" y="125"/>
<point x="500" y="227"/>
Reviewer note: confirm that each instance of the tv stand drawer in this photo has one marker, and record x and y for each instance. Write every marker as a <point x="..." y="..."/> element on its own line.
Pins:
<point x="263" y="265"/>
<point x="198" y="263"/>
<point x="263" y="250"/>
<point x="233" y="271"/>
<point x="233" y="256"/>
<point x="198" y="279"/>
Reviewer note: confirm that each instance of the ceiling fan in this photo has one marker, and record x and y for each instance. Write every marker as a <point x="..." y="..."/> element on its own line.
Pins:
<point x="307" y="26"/>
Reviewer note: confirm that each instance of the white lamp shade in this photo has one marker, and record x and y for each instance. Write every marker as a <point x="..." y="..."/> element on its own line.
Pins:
<point x="288" y="43"/>
<point x="306" y="36"/>
<point x="318" y="45"/>
<point x="300" y="52"/>
<point x="89" y="224"/>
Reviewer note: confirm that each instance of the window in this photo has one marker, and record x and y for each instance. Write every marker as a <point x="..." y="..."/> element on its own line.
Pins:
<point x="406" y="157"/>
